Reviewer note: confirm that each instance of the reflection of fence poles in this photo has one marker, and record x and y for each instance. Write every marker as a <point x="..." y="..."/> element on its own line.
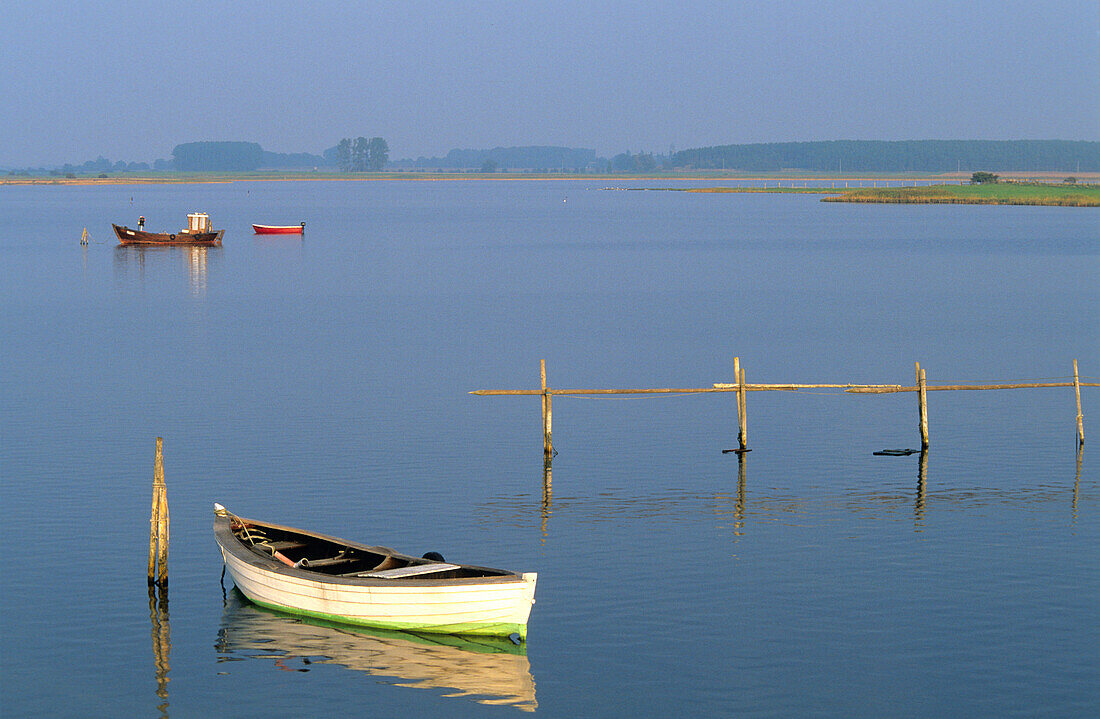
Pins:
<point x="158" y="522"/>
<point x="740" y="387"/>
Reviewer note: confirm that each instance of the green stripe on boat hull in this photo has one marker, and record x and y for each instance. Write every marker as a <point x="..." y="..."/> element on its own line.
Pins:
<point x="492" y="629"/>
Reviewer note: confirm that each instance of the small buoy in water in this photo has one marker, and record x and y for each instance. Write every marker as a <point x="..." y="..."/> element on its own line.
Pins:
<point x="84" y="237"/>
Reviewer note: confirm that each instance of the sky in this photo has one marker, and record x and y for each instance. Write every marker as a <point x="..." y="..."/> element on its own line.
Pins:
<point x="130" y="80"/>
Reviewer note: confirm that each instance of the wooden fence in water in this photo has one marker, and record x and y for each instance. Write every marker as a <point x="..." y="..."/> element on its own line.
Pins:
<point x="920" y="387"/>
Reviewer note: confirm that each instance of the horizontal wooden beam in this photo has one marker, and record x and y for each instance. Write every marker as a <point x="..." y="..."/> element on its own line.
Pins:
<point x="509" y="392"/>
<point x="869" y="389"/>
<point x="724" y="387"/>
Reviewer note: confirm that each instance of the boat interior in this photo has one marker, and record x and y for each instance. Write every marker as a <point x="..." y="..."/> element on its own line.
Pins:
<point x="304" y="551"/>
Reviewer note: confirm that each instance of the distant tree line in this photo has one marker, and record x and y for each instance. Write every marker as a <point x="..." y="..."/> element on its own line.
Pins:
<point x="903" y="156"/>
<point x="237" y="157"/>
<point x="360" y="154"/>
<point x="640" y="162"/>
<point x="225" y="156"/>
<point x="529" y="157"/>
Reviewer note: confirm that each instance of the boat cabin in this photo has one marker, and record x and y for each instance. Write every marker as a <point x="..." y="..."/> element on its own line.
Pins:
<point x="197" y="223"/>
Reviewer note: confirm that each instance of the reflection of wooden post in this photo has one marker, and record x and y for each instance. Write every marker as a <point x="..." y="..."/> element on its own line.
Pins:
<point x="158" y="521"/>
<point x="739" y="508"/>
<point x="1080" y="417"/>
<point x="162" y="643"/>
<point x="547" y="414"/>
<point x="922" y="477"/>
<point x="1077" y="480"/>
<point x="547" y="496"/>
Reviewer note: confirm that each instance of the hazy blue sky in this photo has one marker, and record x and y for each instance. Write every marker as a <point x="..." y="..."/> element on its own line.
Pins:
<point x="130" y="80"/>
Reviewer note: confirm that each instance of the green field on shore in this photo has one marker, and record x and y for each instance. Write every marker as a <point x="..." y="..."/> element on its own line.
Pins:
<point x="1001" y="193"/>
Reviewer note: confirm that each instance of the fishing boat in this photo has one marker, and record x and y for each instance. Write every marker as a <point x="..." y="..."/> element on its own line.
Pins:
<point x="315" y="575"/>
<point x="279" y="229"/>
<point x="197" y="232"/>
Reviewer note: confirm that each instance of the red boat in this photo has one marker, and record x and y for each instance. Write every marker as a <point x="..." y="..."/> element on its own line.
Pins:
<point x="280" y="229"/>
<point x="198" y="232"/>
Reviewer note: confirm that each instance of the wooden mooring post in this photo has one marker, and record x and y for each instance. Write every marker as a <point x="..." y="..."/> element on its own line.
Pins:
<point x="1080" y="417"/>
<point x="742" y="417"/>
<point x="741" y="388"/>
<point x="158" y="522"/>
<point x="547" y="416"/>
<point x="922" y="407"/>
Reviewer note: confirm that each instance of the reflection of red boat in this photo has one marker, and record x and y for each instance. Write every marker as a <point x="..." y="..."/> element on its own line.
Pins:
<point x="280" y="229"/>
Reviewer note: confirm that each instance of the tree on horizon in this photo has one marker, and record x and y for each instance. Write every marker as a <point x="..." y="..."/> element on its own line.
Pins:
<point x="378" y="153"/>
<point x="343" y="155"/>
<point x="359" y="154"/>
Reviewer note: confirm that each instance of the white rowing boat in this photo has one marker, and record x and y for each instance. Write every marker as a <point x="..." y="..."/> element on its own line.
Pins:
<point x="302" y="572"/>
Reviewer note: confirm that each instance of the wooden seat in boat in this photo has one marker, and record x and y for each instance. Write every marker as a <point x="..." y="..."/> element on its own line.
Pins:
<point x="410" y="571"/>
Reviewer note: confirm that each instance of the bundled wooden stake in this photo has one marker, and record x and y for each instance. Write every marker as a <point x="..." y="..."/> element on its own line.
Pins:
<point x="158" y="522"/>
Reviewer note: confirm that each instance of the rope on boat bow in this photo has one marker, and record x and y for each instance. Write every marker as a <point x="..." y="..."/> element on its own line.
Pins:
<point x="264" y="542"/>
<point x="234" y="519"/>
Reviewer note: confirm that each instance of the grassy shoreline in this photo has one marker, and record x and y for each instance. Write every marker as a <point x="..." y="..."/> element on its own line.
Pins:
<point x="1002" y="193"/>
<point x="788" y="177"/>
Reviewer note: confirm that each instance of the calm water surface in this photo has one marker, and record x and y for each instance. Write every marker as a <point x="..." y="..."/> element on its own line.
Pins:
<point x="322" y="382"/>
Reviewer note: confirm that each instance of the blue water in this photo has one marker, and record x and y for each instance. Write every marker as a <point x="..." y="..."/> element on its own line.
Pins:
<point x="323" y="382"/>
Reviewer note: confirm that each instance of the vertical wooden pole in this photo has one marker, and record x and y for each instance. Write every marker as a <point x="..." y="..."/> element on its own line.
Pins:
<point x="547" y="415"/>
<point x="923" y="412"/>
<point x="154" y="526"/>
<point x="737" y="379"/>
<point x="1080" y="417"/>
<point x="920" y="405"/>
<point x="743" y="435"/>
<point x="158" y="521"/>
<point x="154" y="511"/>
<point x="162" y="518"/>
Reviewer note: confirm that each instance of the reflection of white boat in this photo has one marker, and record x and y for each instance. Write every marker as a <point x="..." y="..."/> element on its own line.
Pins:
<point x="335" y="579"/>
<point x="488" y="670"/>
